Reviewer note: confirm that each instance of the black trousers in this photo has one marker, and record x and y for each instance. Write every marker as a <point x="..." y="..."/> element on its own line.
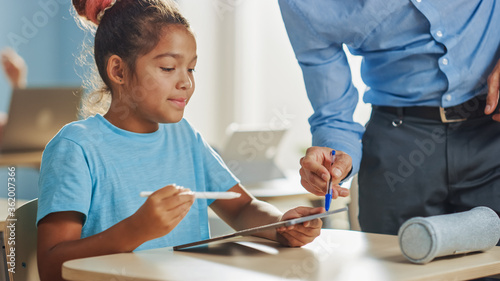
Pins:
<point x="424" y="167"/>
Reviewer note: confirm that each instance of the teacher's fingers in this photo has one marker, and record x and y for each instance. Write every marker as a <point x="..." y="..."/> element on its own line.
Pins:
<point x="312" y="180"/>
<point x="341" y="167"/>
<point x="493" y="88"/>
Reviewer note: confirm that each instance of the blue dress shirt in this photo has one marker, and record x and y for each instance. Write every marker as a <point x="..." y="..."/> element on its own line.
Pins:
<point x="415" y="53"/>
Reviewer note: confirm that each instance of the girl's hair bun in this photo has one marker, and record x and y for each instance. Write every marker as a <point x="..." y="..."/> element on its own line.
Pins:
<point x="90" y="9"/>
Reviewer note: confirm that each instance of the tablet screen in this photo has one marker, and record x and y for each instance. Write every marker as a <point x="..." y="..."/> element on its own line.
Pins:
<point x="254" y="230"/>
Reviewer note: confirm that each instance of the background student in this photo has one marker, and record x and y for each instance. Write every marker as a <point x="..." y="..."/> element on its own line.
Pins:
<point x="15" y="68"/>
<point x="432" y="143"/>
<point x="94" y="170"/>
<point x="16" y="71"/>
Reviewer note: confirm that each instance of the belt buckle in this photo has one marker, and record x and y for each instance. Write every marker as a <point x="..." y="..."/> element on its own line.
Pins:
<point x="442" y="114"/>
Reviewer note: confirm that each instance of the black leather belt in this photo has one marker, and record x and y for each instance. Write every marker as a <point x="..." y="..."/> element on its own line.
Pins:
<point x="473" y="108"/>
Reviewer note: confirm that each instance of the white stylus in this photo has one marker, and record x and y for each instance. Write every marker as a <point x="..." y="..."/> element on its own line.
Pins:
<point x="204" y="195"/>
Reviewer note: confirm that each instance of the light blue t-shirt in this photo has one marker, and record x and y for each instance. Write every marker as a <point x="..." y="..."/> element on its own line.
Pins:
<point x="97" y="169"/>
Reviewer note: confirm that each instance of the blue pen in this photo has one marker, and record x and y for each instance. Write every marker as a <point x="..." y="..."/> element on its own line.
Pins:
<point x="328" y="196"/>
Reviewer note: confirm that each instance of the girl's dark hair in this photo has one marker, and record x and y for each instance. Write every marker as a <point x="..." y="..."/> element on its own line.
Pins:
<point x="129" y="29"/>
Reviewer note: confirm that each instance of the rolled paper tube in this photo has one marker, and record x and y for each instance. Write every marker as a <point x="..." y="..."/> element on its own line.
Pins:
<point x="423" y="239"/>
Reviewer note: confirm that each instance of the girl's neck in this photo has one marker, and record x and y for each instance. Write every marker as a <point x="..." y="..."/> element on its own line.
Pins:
<point x="129" y="123"/>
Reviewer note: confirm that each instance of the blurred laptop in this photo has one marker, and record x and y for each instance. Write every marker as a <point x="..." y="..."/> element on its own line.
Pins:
<point x="36" y="115"/>
<point x="250" y="153"/>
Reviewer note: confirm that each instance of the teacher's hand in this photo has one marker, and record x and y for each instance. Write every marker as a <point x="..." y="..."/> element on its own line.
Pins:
<point x="316" y="170"/>
<point x="493" y="87"/>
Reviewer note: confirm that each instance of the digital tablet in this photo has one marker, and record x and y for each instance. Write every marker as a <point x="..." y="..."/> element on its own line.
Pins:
<point x="254" y="230"/>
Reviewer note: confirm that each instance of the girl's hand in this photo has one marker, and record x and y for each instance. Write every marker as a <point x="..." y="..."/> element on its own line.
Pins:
<point x="162" y="212"/>
<point x="300" y="234"/>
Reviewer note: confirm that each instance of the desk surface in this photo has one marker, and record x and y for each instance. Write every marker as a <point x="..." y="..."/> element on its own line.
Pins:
<point x="289" y="186"/>
<point x="335" y="255"/>
<point x="21" y="159"/>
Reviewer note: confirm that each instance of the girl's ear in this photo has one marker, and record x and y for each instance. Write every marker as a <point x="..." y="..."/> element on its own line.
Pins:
<point x="116" y="70"/>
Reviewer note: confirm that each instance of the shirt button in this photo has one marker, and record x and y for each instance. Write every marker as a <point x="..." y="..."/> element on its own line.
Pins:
<point x="439" y="33"/>
<point x="447" y="97"/>
<point x="419" y="1"/>
<point x="445" y="61"/>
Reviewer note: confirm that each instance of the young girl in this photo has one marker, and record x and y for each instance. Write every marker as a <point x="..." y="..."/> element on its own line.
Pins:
<point x="93" y="170"/>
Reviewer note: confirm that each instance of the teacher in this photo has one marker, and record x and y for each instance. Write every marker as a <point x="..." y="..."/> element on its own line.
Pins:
<point x="432" y="144"/>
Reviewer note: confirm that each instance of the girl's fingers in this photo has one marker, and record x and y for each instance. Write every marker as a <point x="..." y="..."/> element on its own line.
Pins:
<point x="308" y="233"/>
<point x="166" y="191"/>
<point x="291" y="240"/>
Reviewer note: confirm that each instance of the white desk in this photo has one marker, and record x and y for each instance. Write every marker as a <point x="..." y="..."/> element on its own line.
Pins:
<point x="279" y="188"/>
<point x="21" y="159"/>
<point x="335" y="255"/>
<point x="288" y="192"/>
<point x="284" y="187"/>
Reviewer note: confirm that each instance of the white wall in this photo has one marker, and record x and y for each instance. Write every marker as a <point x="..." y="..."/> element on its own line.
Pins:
<point x="211" y="108"/>
<point x="247" y="73"/>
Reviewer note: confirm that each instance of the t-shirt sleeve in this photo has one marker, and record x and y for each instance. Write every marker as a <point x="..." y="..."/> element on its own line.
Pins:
<point x="218" y="177"/>
<point x="65" y="182"/>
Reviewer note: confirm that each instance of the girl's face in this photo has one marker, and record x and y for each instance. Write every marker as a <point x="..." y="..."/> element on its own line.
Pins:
<point x="164" y="80"/>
